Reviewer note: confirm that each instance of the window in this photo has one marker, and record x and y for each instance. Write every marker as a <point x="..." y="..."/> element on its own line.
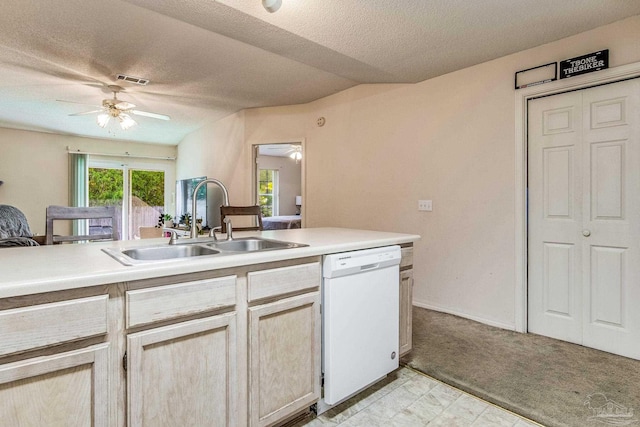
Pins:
<point x="268" y="192"/>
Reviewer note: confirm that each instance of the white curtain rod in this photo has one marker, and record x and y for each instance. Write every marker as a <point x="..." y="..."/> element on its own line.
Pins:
<point x="126" y="154"/>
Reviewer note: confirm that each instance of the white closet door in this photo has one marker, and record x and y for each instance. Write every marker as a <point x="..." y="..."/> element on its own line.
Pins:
<point x="611" y="208"/>
<point x="584" y="217"/>
<point x="555" y="217"/>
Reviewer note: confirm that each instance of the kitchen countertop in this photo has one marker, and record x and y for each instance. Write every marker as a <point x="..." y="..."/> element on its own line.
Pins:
<point x="30" y="270"/>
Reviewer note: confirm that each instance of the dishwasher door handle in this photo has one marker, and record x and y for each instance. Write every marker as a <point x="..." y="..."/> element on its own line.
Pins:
<point x="369" y="267"/>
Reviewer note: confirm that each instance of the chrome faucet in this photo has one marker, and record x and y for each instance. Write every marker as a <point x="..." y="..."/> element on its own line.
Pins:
<point x="225" y="196"/>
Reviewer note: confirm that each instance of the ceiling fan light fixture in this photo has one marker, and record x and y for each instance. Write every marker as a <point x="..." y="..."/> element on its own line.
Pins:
<point x="126" y="122"/>
<point x="118" y="110"/>
<point x="103" y="119"/>
<point x="296" y="155"/>
<point x="271" y="5"/>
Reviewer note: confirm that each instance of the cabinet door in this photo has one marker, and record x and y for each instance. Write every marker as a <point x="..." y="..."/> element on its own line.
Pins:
<point x="66" y="389"/>
<point x="183" y="374"/>
<point x="284" y="358"/>
<point x="406" y="311"/>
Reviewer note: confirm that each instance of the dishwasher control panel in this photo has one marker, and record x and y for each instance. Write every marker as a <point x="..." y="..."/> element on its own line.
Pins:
<point x="346" y="263"/>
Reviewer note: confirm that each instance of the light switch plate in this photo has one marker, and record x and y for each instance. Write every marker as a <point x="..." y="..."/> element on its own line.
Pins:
<point x="425" y="205"/>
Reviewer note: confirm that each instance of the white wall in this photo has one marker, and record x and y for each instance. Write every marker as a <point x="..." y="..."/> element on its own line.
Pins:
<point x="217" y="150"/>
<point x="35" y="168"/>
<point x="449" y="139"/>
<point x="289" y="181"/>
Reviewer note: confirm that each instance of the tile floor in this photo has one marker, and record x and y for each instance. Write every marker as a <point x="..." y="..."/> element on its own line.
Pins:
<point x="408" y="398"/>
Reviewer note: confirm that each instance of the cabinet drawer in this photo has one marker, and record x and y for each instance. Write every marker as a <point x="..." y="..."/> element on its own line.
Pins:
<point x="144" y="306"/>
<point x="407" y="256"/>
<point x="42" y="325"/>
<point x="284" y="280"/>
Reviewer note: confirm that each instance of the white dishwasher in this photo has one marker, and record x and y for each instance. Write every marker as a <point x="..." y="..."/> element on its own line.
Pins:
<point x="360" y="315"/>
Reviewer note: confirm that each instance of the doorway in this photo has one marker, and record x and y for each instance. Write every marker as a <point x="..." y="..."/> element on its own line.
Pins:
<point x="279" y="183"/>
<point x="584" y="217"/>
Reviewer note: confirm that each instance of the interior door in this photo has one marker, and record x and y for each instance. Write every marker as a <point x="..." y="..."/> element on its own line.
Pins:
<point x="584" y="217"/>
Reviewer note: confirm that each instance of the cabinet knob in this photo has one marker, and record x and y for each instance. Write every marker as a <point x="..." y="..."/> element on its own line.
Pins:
<point x="586" y="233"/>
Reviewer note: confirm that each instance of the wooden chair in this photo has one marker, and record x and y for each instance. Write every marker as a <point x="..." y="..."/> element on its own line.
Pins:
<point x="71" y="213"/>
<point x="241" y="210"/>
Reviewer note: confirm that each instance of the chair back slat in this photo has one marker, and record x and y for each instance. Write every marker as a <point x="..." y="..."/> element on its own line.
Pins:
<point x="241" y="210"/>
<point x="55" y="213"/>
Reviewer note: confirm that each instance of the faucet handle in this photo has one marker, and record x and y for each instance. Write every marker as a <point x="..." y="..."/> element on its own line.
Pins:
<point x="174" y="237"/>
<point x="227" y="221"/>
<point x="212" y="232"/>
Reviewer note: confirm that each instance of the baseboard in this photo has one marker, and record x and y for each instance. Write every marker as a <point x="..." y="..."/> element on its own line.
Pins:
<point x="465" y="315"/>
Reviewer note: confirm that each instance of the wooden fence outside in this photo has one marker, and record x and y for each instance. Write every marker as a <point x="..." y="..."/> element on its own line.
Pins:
<point x="140" y="216"/>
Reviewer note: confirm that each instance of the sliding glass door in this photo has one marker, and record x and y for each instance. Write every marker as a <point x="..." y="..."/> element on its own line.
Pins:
<point x="106" y="188"/>
<point x="138" y="192"/>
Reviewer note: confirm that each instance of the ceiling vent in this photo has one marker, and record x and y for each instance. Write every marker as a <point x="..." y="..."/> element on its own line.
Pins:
<point x="130" y="79"/>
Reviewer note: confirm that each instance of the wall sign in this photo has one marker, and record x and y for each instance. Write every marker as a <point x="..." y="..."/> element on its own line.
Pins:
<point x="537" y="75"/>
<point x="584" y="64"/>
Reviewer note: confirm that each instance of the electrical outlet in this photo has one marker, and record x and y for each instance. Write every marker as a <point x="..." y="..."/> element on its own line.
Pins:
<point x="425" y="205"/>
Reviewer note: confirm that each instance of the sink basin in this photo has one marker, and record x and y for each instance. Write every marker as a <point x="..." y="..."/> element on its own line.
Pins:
<point x="168" y="252"/>
<point x="252" y="244"/>
<point x="192" y="249"/>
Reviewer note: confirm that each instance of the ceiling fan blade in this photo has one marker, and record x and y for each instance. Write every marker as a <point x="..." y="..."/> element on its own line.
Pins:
<point x="87" y="112"/>
<point x="81" y="103"/>
<point x="152" y="115"/>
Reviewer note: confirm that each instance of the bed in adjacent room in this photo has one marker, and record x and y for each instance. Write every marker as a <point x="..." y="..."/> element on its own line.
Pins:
<point x="281" y="222"/>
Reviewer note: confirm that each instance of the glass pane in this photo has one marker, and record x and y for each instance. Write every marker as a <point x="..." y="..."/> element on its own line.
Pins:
<point x="266" y="182"/>
<point x="147" y="199"/>
<point x="266" y="186"/>
<point x="266" y="205"/>
<point x="105" y="189"/>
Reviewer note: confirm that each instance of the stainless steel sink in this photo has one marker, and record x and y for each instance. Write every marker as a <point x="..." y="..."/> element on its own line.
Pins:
<point x="159" y="253"/>
<point x="252" y="244"/>
<point x="204" y="247"/>
<point x="169" y="252"/>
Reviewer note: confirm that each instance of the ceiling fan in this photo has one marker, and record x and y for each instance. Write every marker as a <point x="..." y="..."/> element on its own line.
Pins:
<point x="294" y="151"/>
<point x="118" y="110"/>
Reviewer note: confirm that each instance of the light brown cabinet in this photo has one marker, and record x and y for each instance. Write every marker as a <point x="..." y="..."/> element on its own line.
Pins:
<point x="284" y="358"/>
<point x="181" y="370"/>
<point x="284" y="342"/>
<point x="406" y="300"/>
<point x="406" y="309"/>
<point x="183" y="374"/>
<point x="236" y="350"/>
<point x="62" y="389"/>
<point x="54" y="361"/>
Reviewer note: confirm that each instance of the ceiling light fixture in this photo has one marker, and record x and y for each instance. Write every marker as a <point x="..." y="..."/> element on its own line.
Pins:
<point x="126" y="122"/>
<point x="103" y="119"/>
<point x="297" y="154"/>
<point x="271" y="5"/>
<point x="118" y="110"/>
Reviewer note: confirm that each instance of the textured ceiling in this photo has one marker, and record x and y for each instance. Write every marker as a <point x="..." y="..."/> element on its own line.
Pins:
<point x="207" y="59"/>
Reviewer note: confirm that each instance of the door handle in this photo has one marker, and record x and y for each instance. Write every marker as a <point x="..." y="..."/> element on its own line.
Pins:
<point x="586" y="233"/>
